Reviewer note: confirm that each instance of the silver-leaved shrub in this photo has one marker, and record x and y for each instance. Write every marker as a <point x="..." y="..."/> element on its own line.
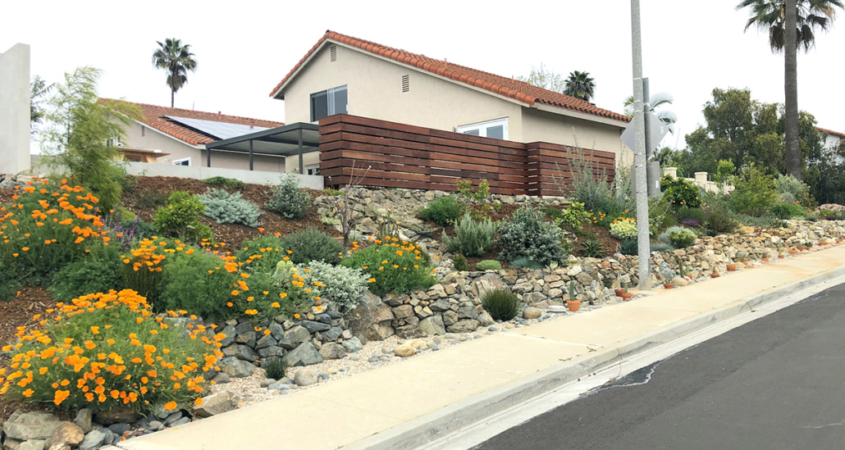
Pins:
<point x="224" y="207"/>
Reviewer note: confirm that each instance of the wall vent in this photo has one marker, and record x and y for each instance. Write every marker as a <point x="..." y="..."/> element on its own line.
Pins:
<point x="333" y="51"/>
<point x="406" y="83"/>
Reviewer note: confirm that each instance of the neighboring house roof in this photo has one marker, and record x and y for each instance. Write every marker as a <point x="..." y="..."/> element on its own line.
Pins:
<point x="154" y="117"/>
<point x="508" y="87"/>
<point x="831" y="132"/>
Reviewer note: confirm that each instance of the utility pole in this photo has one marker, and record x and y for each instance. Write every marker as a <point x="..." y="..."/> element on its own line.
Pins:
<point x="643" y="241"/>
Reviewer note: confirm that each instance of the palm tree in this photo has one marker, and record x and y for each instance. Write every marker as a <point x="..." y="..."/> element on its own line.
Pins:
<point x="177" y="60"/>
<point x="791" y="25"/>
<point x="656" y="101"/>
<point x="580" y="85"/>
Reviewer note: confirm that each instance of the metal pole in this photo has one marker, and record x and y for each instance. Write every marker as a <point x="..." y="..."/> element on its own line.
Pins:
<point x="250" y="154"/>
<point x="640" y="153"/>
<point x="649" y="144"/>
<point x="301" y="167"/>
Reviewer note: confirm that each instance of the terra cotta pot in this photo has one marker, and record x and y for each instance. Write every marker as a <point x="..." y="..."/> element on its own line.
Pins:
<point x="714" y="275"/>
<point x="764" y="259"/>
<point x="574" y="305"/>
<point x="793" y="252"/>
<point x="731" y="267"/>
<point x="619" y="292"/>
<point x="781" y="256"/>
<point x="668" y="285"/>
<point x="625" y="296"/>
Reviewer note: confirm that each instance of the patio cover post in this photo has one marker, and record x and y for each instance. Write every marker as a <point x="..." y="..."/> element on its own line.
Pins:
<point x="207" y="156"/>
<point x="250" y="154"/>
<point x="301" y="167"/>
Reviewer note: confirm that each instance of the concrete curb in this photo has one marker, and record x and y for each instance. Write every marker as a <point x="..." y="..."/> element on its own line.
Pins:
<point x="435" y="425"/>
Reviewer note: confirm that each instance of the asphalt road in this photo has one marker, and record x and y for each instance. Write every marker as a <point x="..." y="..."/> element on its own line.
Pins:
<point x="774" y="383"/>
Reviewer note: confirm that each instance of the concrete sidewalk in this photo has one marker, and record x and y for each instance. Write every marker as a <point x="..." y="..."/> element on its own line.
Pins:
<point x="438" y="387"/>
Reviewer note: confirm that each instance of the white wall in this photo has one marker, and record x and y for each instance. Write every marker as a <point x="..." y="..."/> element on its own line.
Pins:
<point x="14" y="110"/>
<point x="201" y="173"/>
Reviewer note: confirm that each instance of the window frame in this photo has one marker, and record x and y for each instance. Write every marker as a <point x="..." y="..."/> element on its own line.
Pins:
<point x="331" y="102"/>
<point x="481" y="127"/>
<point x="178" y="162"/>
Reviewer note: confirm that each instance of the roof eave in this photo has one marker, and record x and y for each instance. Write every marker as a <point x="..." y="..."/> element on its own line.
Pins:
<point x="580" y="115"/>
<point x="279" y="92"/>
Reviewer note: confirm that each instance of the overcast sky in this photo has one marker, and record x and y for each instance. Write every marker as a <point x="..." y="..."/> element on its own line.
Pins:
<point x="245" y="48"/>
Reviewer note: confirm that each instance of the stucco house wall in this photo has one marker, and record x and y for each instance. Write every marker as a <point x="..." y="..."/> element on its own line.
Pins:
<point x="14" y="110"/>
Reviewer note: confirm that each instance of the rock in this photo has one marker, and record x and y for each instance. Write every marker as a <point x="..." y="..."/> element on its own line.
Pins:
<point x="314" y="327"/>
<point x="352" y="345"/>
<point x="237" y="368"/>
<point x="244" y="327"/>
<point x="270" y="352"/>
<point x="169" y="420"/>
<point x="276" y="330"/>
<point x="574" y="271"/>
<point x="66" y="435"/>
<point x="120" y="414"/>
<point x="467" y="311"/>
<point x="155" y="425"/>
<point x="346" y="334"/>
<point x="83" y="419"/>
<point x="463" y="326"/>
<point x="409" y="332"/>
<point x="265" y="341"/>
<point x="400" y="312"/>
<point x="404" y="351"/>
<point x="31" y="425"/>
<point x="35" y="444"/>
<point x="333" y="334"/>
<point x="679" y="282"/>
<point x="92" y="440"/>
<point x="417" y="344"/>
<point x="230" y="333"/>
<point x="370" y="311"/>
<point x="450" y="317"/>
<point x="305" y="377"/>
<point x="294" y="337"/>
<point x="218" y="403"/>
<point x="432" y="326"/>
<point x="120" y="428"/>
<point x="304" y="355"/>
<point x="246" y="353"/>
<point x="531" y="313"/>
<point x="485" y="319"/>
<point x="440" y="305"/>
<point x="222" y="378"/>
<point x="181" y="421"/>
<point x="332" y="350"/>
<point x="246" y="338"/>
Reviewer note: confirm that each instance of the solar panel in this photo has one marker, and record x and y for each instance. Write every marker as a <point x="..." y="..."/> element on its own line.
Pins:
<point x="220" y="130"/>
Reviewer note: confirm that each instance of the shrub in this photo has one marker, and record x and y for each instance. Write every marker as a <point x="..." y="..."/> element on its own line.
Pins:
<point x="312" y="244"/>
<point x="525" y="263"/>
<point x="99" y="273"/>
<point x="574" y="216"/>
<point x="788" y="211"/>
<point x="591" y="249"/>
<point x="661" y="247"/>
<point x="107" y="350"/>
<point x="527" y="235"/>
<point x="488" y="264"/>
<point x="659" y="216"/>
<point x="472" y="238"/>
<point x="754" y="193"/>
<point x="678" y="237"/>
<point x="460" y="263"/>
<point x="275" y="368"/>
<point x="333" y="192"/>
<point x="718" y="218"/>
<point x="624" y="229"/>
<point x="288" y="200"/>
<point x="342" y="285"/>
<point x="629" y="247"/>
<point x="261" y="254"/>
<point x="180" y="217"/>
<point x="229" y="183"/>
<point x="680" y="192"/>
<point x="790" y="190"/>
<point x="685" y="213"/>
<point x="553" y="213"/>
<point x="224" y="207"/>
<point x="501" y="304"/>
<point x="393" y="266"/>
<point x="443" y="211"/>
<point x="198" y="282"/>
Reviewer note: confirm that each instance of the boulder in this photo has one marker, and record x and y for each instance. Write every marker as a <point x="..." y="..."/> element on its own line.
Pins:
<point x="440" y="305"/>
<point x="332" y="350"/>
<point x="230" y="333"/>
<point x="679" y="282"/>
<point x="463" y="326"/>
<point x="370" y="310"/>
<point x="31" y="425"/>
<point x="450" y="317"/>
<point x="305" y="377"/>
<point x="218" y="403"/>
<point x="237" y="368"/>
<point x="271" y="351"/>
<point x="404" y="351"/>
<point x="304" y="355"/>
<point x="432" y="326"/>
<point x="83" y="419"/>
<point x="35" y="444"/>
<point x="92" y="440"/>
<point x="467" y="311"/>
<point x="66" y="435"/>
<point x="531" y="313"/>
<point x="333" y="334"/>
<point x="352" y="345"/>
<point x="409" y="332"/>
<point x="485" y="319"/>
<point x="294" y="337"/>
<point x="403" y="311"/>
<point x="222" y="378"/>
<point x="314" y="327"/>
<point x="265" y="341"/>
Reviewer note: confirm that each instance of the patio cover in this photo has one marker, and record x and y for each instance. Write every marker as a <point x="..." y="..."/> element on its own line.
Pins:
<point x="293" y="139"/>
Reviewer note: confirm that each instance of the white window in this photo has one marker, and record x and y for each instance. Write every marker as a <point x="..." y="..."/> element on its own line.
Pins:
<point x="328" y="103"/>
<point x="496" y="129"/>
<point x="113" y="142"/>
<point x="182" y="162"/>
<point x="312" y="169"/>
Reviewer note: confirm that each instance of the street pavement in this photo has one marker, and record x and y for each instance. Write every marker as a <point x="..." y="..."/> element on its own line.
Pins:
<point x="774" y="383"/>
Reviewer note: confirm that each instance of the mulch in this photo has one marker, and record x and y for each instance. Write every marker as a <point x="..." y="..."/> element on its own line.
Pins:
<point x="147" y="192"/>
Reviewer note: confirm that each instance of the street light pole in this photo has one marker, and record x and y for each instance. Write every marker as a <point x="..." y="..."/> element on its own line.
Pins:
<point x="643" y="241"/>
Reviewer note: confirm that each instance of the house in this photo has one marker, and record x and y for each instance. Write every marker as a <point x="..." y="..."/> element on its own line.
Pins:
<point x="345" y="75"/>
<point x="834" y="142"/>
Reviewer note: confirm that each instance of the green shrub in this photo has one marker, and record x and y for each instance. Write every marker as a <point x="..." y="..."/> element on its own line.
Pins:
<point x="575" y="216"/>
<point x="624" y="229"/>
<point x="525" y="263"/>
<point x="788" y="211"/>
<point x="460" y="263"/>
<point x="472" y="238"/>
<point x="267" y="295"/>
<point x="591" y="249"/>
<point x="229" y="183"/>
<point x="678" y="237"/>
<point x="393" y="266"/>
<point x="527" y="235"/>
<point x="288" y="200"/>
<point x="196" y="282"/>
<point x="685" y="213"/>
<point x="661" y="247"/>
<point x="659" y="215"/>
<point x="224" y="207"/>
<point x="261" y="254"/>
<point x="717" y="217"/>
<point x="680" y="192"/>
<point x="180" y="217"/>
<point x="87" y="276"/>
<point x="143" y="362"/>
<point x="488" y="264"/>
<point x="342" y="285"/>
<point x="552" y="212"/>
<point x="790" y="190"/>
<point x="333" y="192"/>
<point x="275" y="368"/>
<point x="443" y="211"/>
<point x="312" y="244"/>
<point x="754" y="194"/>
<point x="501" y="304"/>
<point x="629" y="247"/>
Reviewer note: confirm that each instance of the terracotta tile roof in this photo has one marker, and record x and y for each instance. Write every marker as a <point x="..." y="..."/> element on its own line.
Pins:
<point x="154" y="118"/>
<point x="508" y="87"/>
<point x="831" y="132"/>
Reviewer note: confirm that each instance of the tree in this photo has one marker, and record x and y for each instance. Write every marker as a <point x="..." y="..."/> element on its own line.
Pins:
<point x="176" y="59"/>
<point x="38" y="88"/>
<point x="580" y="85"/>
<point x="79" y="126"/>
<point x="546" y="79"/>
<point x="791" y="25"/>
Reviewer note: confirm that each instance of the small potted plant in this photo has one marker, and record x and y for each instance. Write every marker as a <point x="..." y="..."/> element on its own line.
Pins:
<point x="626" y="295"/>
<point x="800" y="246"/>
<point x="765" y="259"/>
<point x="714" y="273"/>
<point x="793" y="252"/>
<point x="809" y="246"/>
<point x="780" y="253"/>
<point x="620" y="290"/>
<point x="574" y="305"/>
<point x="668" y="285"/>
<point x="823" y="241"/>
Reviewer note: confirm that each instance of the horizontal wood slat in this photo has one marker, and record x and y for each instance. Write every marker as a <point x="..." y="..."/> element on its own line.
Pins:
<point x="388" y="154"/>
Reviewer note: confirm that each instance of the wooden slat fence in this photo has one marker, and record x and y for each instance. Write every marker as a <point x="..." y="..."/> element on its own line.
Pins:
<point x="396" y="155"/>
